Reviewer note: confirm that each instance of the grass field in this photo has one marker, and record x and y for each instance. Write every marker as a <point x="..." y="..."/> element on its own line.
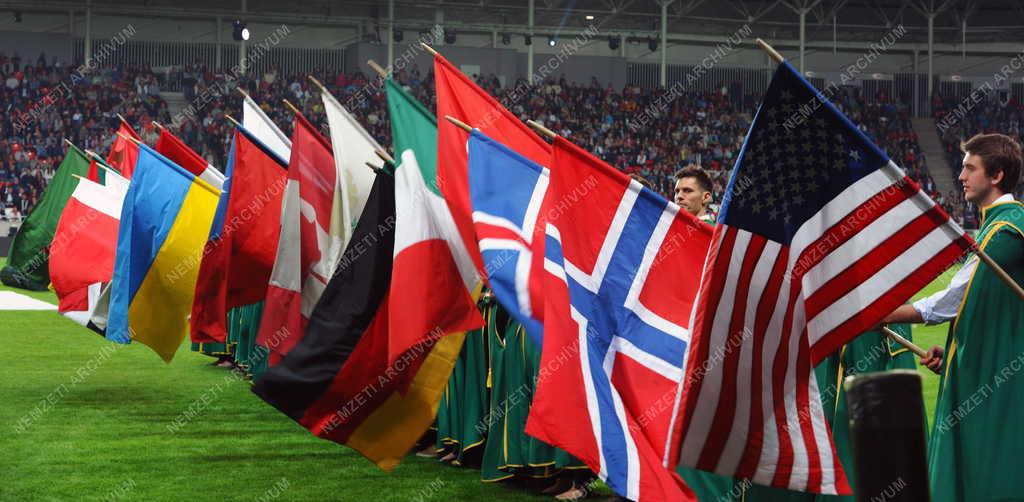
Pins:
<point x="83" y="419"/>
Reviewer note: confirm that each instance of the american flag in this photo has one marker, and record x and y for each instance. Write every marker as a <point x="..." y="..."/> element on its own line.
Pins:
<point x="819" y="236"/>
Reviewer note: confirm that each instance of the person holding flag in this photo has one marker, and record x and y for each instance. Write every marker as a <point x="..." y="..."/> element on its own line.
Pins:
<point x="975" y="438"/>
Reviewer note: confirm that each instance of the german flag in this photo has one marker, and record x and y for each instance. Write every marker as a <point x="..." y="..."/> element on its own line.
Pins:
<point x="337" y="382"/>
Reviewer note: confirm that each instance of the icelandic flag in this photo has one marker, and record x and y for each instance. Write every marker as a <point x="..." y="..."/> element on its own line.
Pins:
<point x="506" y="192"/>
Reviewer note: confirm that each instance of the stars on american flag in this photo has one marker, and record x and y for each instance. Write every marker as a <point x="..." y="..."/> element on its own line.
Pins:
<point x="787" y="165"/>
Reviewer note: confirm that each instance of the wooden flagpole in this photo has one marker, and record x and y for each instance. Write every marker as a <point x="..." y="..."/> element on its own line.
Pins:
<point x="770" y="50"/>
<point x="129" y="138"/>
<point x="540" y="128"/>
<point x="429" y="49"/>
<point x="982" y="255"/>
<point x="232" y="119"/>
<point x="462" y="125"/>
<point x="293" y="108"/>
<point x="894" y="336"/>
<point x="385" y="156"/>
<point x="102" y="164"/>
<point x="317" y="83"/>
<point x="377" y="68"/>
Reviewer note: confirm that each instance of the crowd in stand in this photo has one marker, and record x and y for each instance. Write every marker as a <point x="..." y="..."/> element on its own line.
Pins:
<point x="47" y="102"/>
<point x="626" y="128"/>
<point x="957" y="117"/>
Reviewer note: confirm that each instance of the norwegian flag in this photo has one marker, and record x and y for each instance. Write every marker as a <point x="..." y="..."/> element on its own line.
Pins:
<point x="618" y="280"/>
<point x="819" y="236"/>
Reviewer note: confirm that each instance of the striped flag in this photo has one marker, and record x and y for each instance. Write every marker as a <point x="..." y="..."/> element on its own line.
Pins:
<point x="820" y="235"/>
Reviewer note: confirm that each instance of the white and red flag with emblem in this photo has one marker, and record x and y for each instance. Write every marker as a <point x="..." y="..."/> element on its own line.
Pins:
<point x="310" y="243"/>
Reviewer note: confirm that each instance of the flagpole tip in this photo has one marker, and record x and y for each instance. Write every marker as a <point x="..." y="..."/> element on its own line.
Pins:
<point x="385" y="156"/>
<point x="291" y="107"/>
<point x="243" y="93"/>
<point x="129" y="138"/>
<point x="377" y="68"/>
<point x="541" y="129"/>
<point x="774" y="54"/>
<point x="316" y="83"/>
<point x="232" y="119"/>
<point x="429" y="49"/>
<point x="462" y="125"/>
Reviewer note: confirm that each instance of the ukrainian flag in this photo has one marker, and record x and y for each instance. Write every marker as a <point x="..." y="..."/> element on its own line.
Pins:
<point x="165" y="221"/>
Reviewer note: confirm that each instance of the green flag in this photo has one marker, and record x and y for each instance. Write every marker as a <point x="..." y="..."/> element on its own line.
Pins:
<point x="28" y="260"/>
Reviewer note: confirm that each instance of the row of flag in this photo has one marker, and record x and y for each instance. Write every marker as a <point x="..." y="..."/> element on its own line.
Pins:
<point x="665" y="340"/>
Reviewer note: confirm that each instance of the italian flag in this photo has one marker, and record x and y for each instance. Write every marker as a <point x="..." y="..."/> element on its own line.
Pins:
<point x="433" y="274"/>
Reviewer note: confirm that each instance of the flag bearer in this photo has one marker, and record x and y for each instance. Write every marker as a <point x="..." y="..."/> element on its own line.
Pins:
<point x="976" y="435"/>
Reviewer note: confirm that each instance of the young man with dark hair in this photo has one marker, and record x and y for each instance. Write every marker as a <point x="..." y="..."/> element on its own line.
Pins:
<point x="693" y="192"/>
<point x="976" y="436"/>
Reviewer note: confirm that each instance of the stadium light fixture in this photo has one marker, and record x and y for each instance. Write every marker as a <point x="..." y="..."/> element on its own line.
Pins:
<point x="552" y="41"/>
<point x="590" y="17"/>
<point x="240" y="31"/>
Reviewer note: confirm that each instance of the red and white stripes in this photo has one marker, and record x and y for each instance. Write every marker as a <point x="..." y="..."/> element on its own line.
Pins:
<point x="769" y="312"/>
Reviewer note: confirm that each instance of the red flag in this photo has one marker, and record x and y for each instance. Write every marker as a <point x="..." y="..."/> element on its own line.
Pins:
<point x="309" y="244"/>
<point x="175" y="149"/>
<point x="124" y="153"/>
<point x="94" y="171"/>
<point x="239" y="256"/>
<point x="178" y="152"/>
<point x="459" y="97"/>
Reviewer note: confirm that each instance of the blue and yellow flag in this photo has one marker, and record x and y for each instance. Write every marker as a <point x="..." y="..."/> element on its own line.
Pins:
<point x="165" y="221"/>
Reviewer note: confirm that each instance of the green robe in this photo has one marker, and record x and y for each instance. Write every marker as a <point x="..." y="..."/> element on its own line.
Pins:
<point x="868" y="353"/>
<point x="977" y="433"/>
<point x="503" y="449"/>
<point x="243" y="325"/>
<point x="474" y="402"/>
<point x="460" y="416"/>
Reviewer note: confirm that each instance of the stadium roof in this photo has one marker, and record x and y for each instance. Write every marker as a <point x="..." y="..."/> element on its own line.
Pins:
<point x="857" y="20"/>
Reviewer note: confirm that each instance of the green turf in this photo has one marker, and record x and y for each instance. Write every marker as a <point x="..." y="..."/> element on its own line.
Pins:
<point x="106" y="435"/>
<point x="84" y="419"/>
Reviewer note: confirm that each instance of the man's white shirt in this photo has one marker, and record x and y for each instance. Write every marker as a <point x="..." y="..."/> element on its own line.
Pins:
<point x="943" y="306"/>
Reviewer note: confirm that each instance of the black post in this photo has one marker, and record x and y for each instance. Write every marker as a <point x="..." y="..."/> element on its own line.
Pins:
<point x="887" y="427"/>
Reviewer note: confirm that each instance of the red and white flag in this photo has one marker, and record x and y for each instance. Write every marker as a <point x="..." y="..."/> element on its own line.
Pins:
<point x="310" y="244"/>
<point x="82" y="251"/>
